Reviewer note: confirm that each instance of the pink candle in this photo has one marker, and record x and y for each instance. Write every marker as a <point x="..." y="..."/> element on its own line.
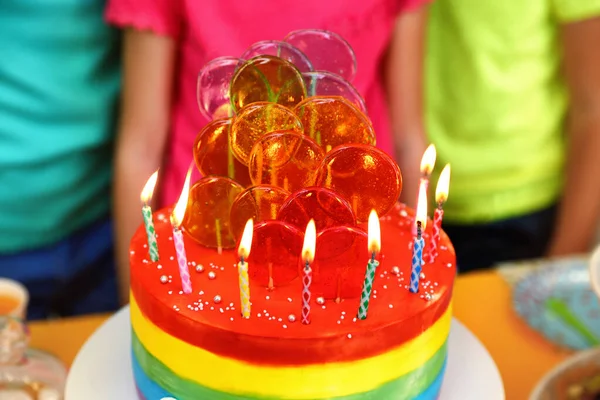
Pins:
<point x="308" y="255"/>
<point x="306" y="281"/>
<point x="184" y="271"/>
<point x="441" y="195"/>
<point x="176" y="219"/>
<point x="435" y="237"/>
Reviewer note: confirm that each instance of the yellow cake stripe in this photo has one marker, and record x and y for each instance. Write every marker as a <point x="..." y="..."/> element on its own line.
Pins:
<point x="304" y="382"/>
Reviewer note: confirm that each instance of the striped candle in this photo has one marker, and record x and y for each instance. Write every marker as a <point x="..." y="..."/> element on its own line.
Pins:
<point x="417" y="259"/>
<point x="150" y="233"/>
<point x="306" y="282"/>
<point x="184" y="271"/>
<point x="244" y="283"/>
<point x="365" y="297"/>
<point x="436" y="230"/>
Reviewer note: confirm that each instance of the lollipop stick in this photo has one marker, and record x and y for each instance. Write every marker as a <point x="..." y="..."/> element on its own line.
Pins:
<point x="218" y="232"/>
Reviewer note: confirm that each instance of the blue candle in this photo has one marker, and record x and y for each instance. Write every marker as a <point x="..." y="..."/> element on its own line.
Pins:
<point x="417" y="260"/>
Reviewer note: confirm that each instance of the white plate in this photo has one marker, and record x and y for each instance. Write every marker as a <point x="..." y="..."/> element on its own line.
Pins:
<point x="102" y="369"/>
<point x="595" y="271"/>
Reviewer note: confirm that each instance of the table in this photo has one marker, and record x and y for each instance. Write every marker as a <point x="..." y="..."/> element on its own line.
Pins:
<point x="481" y="302"/>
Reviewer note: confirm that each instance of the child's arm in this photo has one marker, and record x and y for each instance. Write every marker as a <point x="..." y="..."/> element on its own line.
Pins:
<point x="404" y="84"/>
<point x="148" y="63"/>
<point x="580" y="205"/>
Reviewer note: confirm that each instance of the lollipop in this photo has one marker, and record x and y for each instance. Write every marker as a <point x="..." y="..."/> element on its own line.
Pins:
<point x="267" y="78"/>
<point x="366" y="176"/>
<point x="207" y="215"/>
<point x="213" y="155"/>
<point x="323" y="83"/>
<point x="286" y="159"/>
<point x="279" y="49"/>
<point x="324" y="206"/>
<point x="257" y="202"/>
<point x="255" y="121"/>
<point x="339" y="262"/>
<point x="327" y="51"/>
<point x="332" y="121"/>
<point x="212" y="90"/>
<point x="275" y="249"/>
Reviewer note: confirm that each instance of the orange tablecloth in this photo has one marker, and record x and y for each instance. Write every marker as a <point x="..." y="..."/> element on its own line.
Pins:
<point x="481" y="302"/>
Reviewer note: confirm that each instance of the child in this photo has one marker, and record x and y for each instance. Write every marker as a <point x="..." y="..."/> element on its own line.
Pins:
<point x="513" y="102"/>
<point x="168" y="41"/>
<point x="59" y="83"/>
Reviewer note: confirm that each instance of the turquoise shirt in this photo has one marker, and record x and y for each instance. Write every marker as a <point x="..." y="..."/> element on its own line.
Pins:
<point x="59" y="81"/>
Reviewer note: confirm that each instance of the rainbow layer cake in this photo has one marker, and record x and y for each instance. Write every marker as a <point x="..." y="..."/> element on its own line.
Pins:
<point x="289" y="270"/>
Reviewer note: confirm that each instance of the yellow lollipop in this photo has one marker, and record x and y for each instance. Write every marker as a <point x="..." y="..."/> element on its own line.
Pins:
<point x="255" y="121"/>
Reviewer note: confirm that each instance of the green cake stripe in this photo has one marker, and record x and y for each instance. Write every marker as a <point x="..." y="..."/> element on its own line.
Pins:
<point x="405" y="387"/>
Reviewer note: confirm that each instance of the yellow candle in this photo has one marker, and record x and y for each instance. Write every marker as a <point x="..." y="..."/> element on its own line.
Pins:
<point x="244" y="281"/>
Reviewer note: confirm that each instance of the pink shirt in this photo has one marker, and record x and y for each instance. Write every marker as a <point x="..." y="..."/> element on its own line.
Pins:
<point x="208" y="29"/>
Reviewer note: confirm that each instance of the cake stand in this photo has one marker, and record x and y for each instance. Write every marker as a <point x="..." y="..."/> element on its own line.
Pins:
<point x="102" y="369"/>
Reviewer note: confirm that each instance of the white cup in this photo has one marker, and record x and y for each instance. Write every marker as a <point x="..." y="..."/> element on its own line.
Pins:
<point x="595" y="271"/>
<point x="10" y="288"/>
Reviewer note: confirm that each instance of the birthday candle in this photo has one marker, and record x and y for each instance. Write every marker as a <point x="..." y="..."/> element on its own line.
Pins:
<point x="176" y="219"/>
<point x="427" y="164"/>
<point x="308" y="255"/>
<point x="419" y="243"/>
<point x="441" y="195"/>
<point x="374" y="235"/>
<point x="146" y="196"/>
<point x="243" y="279"/>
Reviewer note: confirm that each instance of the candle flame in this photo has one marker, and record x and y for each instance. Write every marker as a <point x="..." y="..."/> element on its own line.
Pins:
<point x="441" y="190"/>
<point x="374" y="233"/>
<point x="148" y="189"/>
<point x="179" y="210"/>
<point x="310" y="242"/>
<point x="422" y="207"/>
<point x="428" y="160"/>
<point x="246" y="241"/>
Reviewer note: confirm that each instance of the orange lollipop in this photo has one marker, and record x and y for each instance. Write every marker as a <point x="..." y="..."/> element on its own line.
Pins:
<point x="366" y="176"/>
<point x="213" y="155"/>
<point x="254" y="122"/>
<point x="260" y="203"/>
<point x="207" y="214"/>
<point x="267" y="78"/>
<point x="332" y="121"/>
<point x="286" y="159"/>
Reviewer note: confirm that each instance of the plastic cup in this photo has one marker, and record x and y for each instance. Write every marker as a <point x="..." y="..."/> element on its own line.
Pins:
<point x="13" y="298"/>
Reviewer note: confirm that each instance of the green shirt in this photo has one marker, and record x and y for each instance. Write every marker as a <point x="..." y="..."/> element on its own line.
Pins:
<point x="496" y="102"/>
<point x="59" y="82"/>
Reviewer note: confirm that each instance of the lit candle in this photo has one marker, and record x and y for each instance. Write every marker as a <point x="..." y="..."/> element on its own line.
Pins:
<point x="176" y="219"/>
<point x="146" y="197"/>
<point x="308" y="255"/>
<point x="419" y="242"/>
<point x="427" y="164"/>
<point x="244" y="281"/>
<point x="441" y="195"/>
<point x="374" y="248"/>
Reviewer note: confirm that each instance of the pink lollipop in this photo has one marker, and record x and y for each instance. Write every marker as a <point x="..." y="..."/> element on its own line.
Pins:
<point x="276" y="247"/>
<point x="324" y="206"/>
<point x="323" y="83"/>
<point x="212" y="90"/>
<point x="279" y="49"/>
<point x="327" y="51"/>
<point x="339" y="266"/>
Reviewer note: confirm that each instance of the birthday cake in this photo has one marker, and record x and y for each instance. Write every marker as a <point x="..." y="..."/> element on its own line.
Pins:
<point x="289" y="270"/>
